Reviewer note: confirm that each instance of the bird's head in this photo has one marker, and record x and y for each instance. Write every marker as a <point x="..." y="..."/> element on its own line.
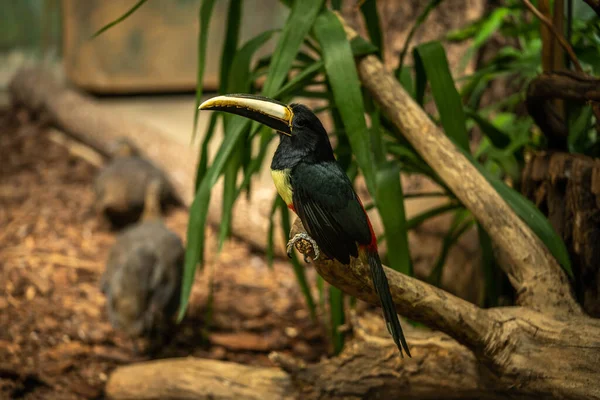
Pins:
<point x="297" y="124"/>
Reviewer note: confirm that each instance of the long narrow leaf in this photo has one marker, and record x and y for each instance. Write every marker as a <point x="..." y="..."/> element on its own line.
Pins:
<point x="418" y="219"/>
<point x="204" y="17"/>
<point x="531" y="215"/>
<point x="120" y="19"/>
<point x="230" y="45"/>
<point x="390" y="202"/>
<point x="433" y="59"/>
<point x="404" y="77"/>
<point x="371" y="16"/>
<point x="498" y="138"/>
<point x="300" y="80"/>
<point x="361" y="47"/>
<point x="341" y="71"/>
<point x="458" y="228"/>
<point x="229" y="57"/>
<point x="203" y="161"/>
<point x="271" y="231"/>
<point x="490" y="25"/>
<point x="194" y="253"/>
<point x="238" y="81"/>
<point x="299" y="22"/>
<point x="418" y="22"/>
<point x="487" y="266"/>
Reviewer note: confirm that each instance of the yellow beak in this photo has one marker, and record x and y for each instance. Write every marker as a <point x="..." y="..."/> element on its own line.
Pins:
<point x="267" y="111"/>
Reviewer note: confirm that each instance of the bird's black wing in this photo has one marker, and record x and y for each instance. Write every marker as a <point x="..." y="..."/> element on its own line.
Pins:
<point x="329" y="209"/>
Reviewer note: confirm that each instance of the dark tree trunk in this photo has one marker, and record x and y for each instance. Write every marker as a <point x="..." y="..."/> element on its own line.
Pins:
<point x="566" y="188"/>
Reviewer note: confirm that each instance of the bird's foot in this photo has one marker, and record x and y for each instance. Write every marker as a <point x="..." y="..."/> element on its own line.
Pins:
<point x="306" y="237"/>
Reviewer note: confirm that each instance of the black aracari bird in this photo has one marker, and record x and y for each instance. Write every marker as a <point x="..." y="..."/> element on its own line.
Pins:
<point x="317" y="189"/>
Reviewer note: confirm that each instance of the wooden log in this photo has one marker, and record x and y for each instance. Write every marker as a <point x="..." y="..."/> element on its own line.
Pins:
<point x="368" y="368"/>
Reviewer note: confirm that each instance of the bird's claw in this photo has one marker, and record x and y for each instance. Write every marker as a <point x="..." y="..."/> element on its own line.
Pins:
<point x="306" y="237"/>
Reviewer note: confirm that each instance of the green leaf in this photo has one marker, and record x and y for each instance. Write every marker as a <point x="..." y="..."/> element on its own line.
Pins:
<point x="194" y="253"/>
<point x="233" y="24"/>
<point x="390" y="202"/>
<point x="336" y="309"/>
<point x="530" y="214"/>
<point x="371" y="16"/>
<point x="432" y="57"/>
<point x="580" y="122"/>
<point x="204" y="17"/>
<point x="343" y="78"/>
<point x="488" y="267"/>
<point x="321" y="290"/>
<point x="498" y="138"/>
<point x="271" y="231"/>
<point x="120" y="19"/>
<point x="300" y="80"/>
<point x="418" y="219"/>
<point x="299" y="22"/>
<point x="203" y="162"/>
<point x="405" y="78"/>
<point x="266" y="135"/>
<point x="234" y="82"/>
<point x="238" y="81"/>
<point x="420" y="81"/>
<point x="460" y="224"/>
<point x="490" y="25"/>
<point x="418" y="22"/>
<point x="361" y="47"/>
<point x="336" y="4"/>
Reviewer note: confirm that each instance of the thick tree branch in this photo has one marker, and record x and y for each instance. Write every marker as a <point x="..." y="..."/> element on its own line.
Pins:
<point x="536" y="275"/>
<point x="414" y="299"/>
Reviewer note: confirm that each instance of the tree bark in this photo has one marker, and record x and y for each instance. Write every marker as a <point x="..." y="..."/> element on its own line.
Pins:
<point x="368" y="368"/>
<point x="566" y="188"/>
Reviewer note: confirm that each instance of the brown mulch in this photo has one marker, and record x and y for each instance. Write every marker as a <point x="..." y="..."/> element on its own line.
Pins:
<point x="55" y="340"/>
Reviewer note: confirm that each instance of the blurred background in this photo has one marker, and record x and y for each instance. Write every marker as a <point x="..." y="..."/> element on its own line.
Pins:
<point x="110" y="128"/>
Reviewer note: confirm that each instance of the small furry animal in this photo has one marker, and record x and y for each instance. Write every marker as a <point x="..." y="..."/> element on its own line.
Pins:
<point x="142" y="280"/>
<point x="120" y="187"/>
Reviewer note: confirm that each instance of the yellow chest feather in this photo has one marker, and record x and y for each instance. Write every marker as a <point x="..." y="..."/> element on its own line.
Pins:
<point x="281" y="178"/>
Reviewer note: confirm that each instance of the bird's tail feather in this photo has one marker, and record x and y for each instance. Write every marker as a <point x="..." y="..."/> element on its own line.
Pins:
<point x="387" y="304"/>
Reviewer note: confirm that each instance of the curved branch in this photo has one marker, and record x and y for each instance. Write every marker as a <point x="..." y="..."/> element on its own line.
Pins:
<point x="536" y="275"/>
<point x="414" y="299"/>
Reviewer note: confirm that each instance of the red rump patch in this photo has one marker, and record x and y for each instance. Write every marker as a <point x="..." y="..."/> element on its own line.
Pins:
<point x="291" y="207"/>
<point x="373" y="245"/>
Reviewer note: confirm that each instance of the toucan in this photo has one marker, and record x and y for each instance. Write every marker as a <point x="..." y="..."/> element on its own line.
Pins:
<point x="314" y="186"/>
